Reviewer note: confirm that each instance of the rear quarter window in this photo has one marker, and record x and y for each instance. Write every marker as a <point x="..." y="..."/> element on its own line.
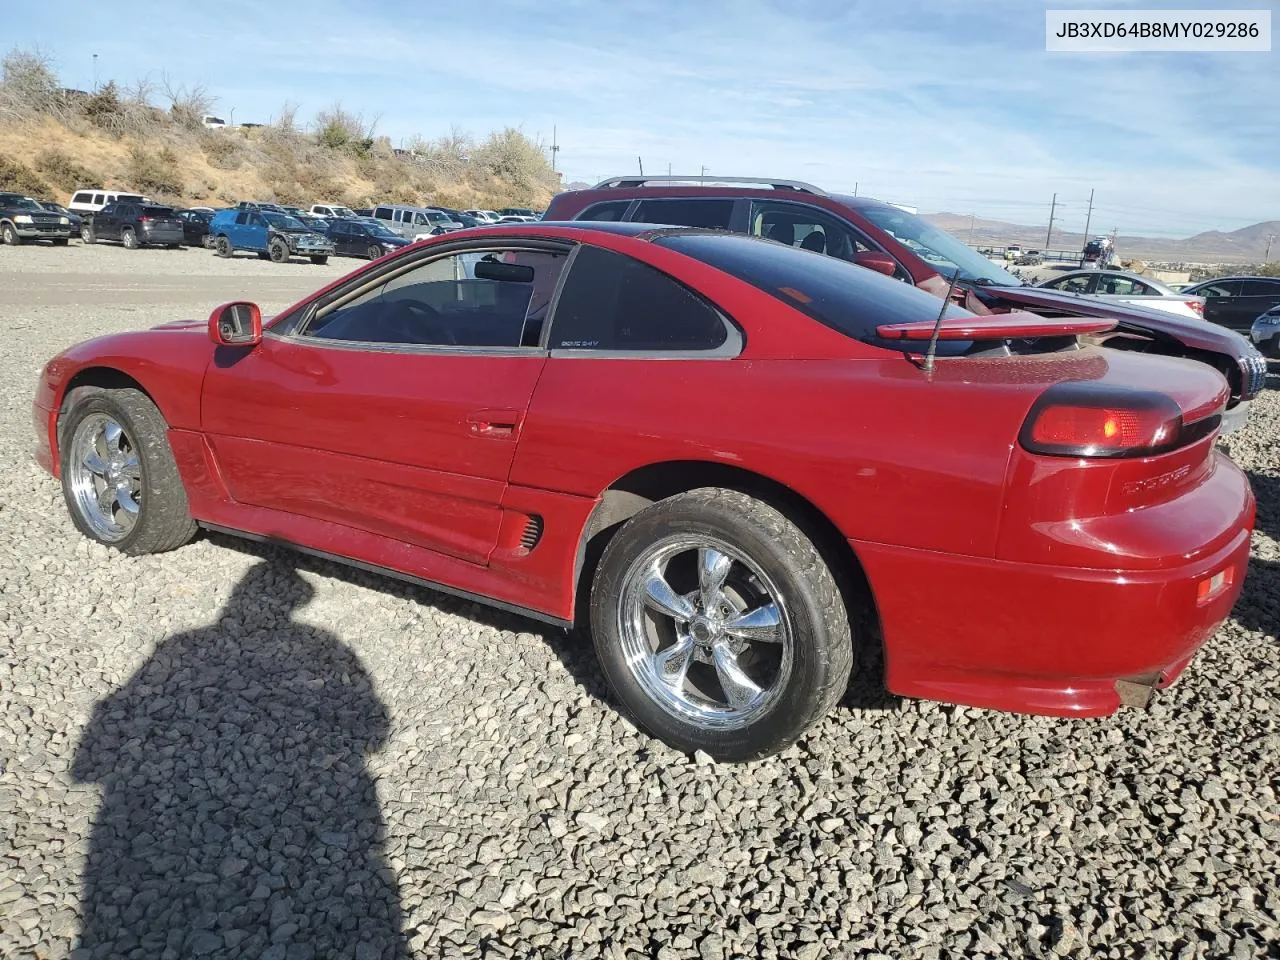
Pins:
<point x="610" y="211"/>
<point x="838" y="294"/>
<point x="712" y="214"/>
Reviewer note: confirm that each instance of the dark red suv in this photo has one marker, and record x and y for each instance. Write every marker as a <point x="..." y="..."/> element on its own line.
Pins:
<point x="884" y="237"/>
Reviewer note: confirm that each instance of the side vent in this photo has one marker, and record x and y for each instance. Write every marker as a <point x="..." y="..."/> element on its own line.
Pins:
<point x="532" y="532"/>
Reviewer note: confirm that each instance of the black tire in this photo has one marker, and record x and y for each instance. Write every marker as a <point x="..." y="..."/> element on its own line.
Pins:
<point x="375" y="251"/>
<point x="10" y="236"/>
<point x="822" y="643"/>
<point x="87" y="235"/>
<point x="222" y="246"/>
<point x="278" y="251"/>
<point x="164" y="520"/>
<point x="129" y="237"/>
<point x="320" y="260"/>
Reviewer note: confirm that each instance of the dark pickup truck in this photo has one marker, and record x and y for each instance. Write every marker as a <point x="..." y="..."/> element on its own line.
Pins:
<point x="22" y="219"/>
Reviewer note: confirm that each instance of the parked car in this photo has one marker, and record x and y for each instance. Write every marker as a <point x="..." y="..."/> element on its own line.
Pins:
<point x="517" y="212"/>
<point x="1265" y="333"/>
<point x="210" y="122"/>
<point x="73" y="219"/>
<point x="1099" y="252"/>
<point x="1127" y="288"/>
<point x="886" y="238"/>
<point x="364" y="211"/>
<point x="414" y="222"/>
<point x="330" y="210"/>
<point x="135" y="225"/>
<point x="271" y="235"/>
<point x="1236" y="302"/>
<point x="515" y="218"/>
<point x="1012" y="252"/>
<point x="93" y="199"/>
<point x="195" y="226"/>
<point x="364" y="238"/>
<point x="1003" y="524"/>
<point x="22" y="219"/>
<point x="484" y="216"/>
<point x="458" y="217"/>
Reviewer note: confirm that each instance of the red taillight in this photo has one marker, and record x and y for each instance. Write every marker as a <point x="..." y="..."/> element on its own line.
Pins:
<point x="144" y="219"/>
<point x="1082" y="420"/>
<point x="1197" y="306"/>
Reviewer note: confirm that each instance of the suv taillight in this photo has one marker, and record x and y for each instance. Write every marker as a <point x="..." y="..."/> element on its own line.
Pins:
<point x="1087" y="420"/>
<point x="1197" y="306"/>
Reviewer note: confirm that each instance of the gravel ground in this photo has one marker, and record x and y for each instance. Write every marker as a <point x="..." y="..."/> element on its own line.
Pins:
<point x="230" y="751"/>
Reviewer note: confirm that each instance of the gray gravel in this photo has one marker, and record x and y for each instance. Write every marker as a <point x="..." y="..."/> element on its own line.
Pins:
<point x="229" y="751"/>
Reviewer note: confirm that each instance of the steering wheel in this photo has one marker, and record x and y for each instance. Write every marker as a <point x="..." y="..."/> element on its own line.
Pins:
<point x="414" y="322"/>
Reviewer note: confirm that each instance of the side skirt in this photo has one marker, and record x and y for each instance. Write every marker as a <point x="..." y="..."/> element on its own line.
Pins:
<point x="393" y="574"/>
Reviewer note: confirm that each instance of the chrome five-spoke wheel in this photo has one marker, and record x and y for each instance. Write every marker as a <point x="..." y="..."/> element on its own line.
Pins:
<point x="705" y="632"/>
<point x="105" y="477"/>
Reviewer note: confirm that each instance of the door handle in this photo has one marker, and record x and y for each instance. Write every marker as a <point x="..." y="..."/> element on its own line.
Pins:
<point x="495" y="424"/>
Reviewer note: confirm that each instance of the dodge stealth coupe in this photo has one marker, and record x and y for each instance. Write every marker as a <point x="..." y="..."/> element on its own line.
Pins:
<point x="738" y="464"/>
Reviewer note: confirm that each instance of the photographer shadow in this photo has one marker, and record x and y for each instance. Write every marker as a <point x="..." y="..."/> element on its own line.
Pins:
<point x="238" y="818"/>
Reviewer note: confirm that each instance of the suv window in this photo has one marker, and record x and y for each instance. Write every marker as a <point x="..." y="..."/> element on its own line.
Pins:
<point x="383" y="213"/>
<point x="1228" y="288"/>
<point x="82" y="198"/>
<point x="97" y="199"/>
<point x="714" y="214"/>
<point x="1260" y="288"/>
<point x="611" y="302"/>
<point x="608" y="210"/>
<point x="841" y="295"/>
<point x="799" y="225"/>
<point x="478" y="298"/>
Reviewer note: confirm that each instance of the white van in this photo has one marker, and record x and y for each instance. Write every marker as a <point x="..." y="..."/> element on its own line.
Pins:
<point x="93" y="199"/>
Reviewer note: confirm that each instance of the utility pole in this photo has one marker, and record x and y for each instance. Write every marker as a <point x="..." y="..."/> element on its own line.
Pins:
<point x="1088" y="217"/>
<point x="971" y="219"/>
<point x="555" y="148"/>
<point x="640" y="160"/>
<point x="95" y="73"/>
<point x="1267" y="256"/>
<point x="668" y="169"/>
<point x="1049" y="236"/>
<point x="855" y="188"/>
<point x="702" y="174"/>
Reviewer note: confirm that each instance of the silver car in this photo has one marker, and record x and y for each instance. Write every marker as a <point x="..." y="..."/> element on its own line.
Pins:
<point x="1128" y="288"/>
<point x="1265" y="333"/>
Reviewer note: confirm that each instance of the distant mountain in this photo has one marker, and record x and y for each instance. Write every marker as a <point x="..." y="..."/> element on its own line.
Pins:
<point x="1246" y="245"/>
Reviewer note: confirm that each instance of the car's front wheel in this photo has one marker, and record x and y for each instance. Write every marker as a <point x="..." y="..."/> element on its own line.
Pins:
<point x="375" y="251"/>
<point x="119" y="477"/>
<point x="9" y="235"/>
<point x="719" y="625"/>
<point x="87" y="234"/>
<point x="278" y="250"/>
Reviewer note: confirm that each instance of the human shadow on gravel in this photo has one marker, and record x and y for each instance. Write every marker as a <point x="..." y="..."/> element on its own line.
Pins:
<point x="238" y="818"/>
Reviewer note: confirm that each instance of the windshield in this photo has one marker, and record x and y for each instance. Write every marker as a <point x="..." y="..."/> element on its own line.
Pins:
<point x="282" y="221"/>
<point x="19" y="202"/>
<point x="938" y="248"/>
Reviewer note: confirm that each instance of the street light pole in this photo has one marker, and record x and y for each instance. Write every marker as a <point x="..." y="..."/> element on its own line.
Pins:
<point x="95" y="73"/>
<point x="1267" y="256"/>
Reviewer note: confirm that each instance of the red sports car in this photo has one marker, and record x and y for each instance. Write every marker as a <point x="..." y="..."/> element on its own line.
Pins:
<point x="730" y="456"/>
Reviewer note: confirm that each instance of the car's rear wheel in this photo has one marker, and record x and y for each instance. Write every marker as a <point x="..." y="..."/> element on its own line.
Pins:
<point x="278" y="251"/>
<point x="129" y="238"/>
<point x="375" y="251"/>
<point x="119" y="477"/>
<point x="87" y="235"/>
<point x="223" y="247"/>
<point x="9" y="235"/>
<point x="719" y="625"/>
<point x="319" y="260"/>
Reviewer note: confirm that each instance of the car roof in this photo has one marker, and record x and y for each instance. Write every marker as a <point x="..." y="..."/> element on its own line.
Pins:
<point x="1199" y="283"/>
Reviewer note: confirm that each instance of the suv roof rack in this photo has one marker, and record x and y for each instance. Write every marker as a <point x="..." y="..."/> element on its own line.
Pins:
<point x="696" y="180"/>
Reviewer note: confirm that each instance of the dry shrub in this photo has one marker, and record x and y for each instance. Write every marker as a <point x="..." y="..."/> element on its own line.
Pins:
<point x="21" y="179"/>
<point x="221" y="150"/>
<point x="154" y="171"/>
<point x="64" y="173"/>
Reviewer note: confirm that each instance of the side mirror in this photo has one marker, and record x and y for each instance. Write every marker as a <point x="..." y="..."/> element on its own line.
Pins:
<point x="879" y="262"/>
<point x="237" y="324"/>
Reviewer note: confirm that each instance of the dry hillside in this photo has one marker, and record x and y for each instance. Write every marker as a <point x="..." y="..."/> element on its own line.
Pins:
<point x="54" y="140"/>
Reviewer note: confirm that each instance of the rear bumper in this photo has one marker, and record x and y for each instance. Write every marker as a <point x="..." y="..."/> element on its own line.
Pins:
<point x="1035" y="638"/>
<point x="163" y="236"/>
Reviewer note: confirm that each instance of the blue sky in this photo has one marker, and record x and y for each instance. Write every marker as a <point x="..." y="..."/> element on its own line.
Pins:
<point x="946" y="105"/>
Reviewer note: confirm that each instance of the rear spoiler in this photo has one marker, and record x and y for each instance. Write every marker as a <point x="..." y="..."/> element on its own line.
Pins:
<point x="996" y="326"/>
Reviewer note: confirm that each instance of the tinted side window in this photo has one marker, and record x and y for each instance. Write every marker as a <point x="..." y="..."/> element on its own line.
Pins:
<point x="1260" y="288"/>
<point x="470" y="299"/>
<point x="97" y="199"/>
<point x="611" y="302"/>
<point x="609" y="210"/>
<point x="383" y="213"/>
<point x="714" y="214"/>
<point x="1229" y="288"/>
<point x="82" y="198"/>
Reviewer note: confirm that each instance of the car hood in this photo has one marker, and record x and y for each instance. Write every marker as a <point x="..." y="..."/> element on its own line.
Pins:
<point x="1199" y="333"/>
